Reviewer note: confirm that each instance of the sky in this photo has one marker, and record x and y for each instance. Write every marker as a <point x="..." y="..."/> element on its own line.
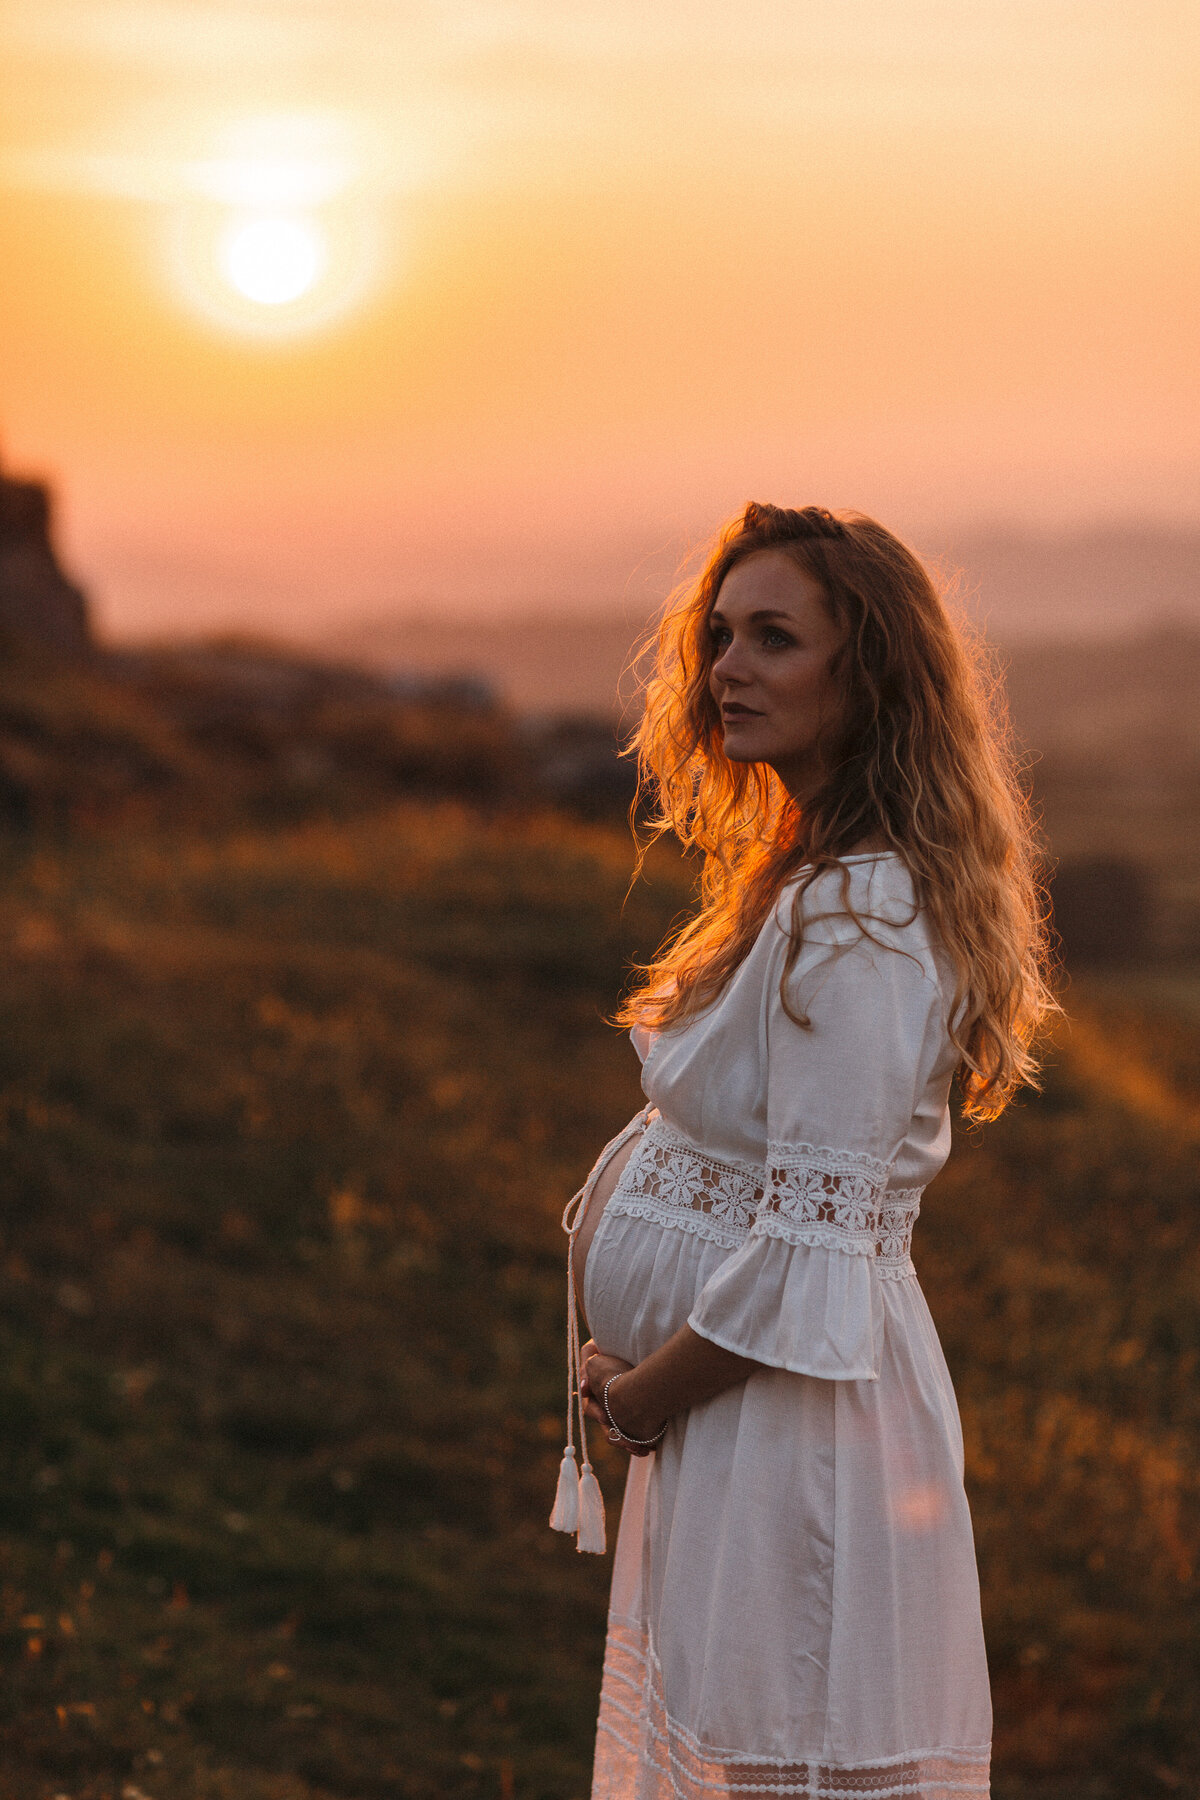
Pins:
<point x="321" y="310"/>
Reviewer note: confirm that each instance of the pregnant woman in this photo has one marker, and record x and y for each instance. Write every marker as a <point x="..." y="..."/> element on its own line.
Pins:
<point x="795" y="1605"/>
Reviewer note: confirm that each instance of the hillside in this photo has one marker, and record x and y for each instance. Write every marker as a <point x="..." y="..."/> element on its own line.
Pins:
<point x="289" y="1116"/>
<point x="237" y="729"/>
<point x="302" y="1048"/>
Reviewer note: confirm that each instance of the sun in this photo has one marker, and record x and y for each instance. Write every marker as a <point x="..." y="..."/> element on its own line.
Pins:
<point x="278" y="232"/>
<point x="273" y="260"/>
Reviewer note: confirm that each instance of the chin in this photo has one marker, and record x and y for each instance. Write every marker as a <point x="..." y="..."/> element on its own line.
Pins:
<point x="742" y="753"/>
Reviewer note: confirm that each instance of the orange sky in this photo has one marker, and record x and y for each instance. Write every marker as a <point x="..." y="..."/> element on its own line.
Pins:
<point x="597" y="273"/>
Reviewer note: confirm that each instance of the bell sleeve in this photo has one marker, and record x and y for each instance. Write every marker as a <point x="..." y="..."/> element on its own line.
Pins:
<point x="802" y="1293"/>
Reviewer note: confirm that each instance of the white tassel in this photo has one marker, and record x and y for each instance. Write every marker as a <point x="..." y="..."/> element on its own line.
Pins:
<point x="591" y="1513"/>
<point x="565" y="1516"/>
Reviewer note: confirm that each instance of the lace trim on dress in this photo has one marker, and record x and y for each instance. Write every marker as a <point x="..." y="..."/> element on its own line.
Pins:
<point x="838" y="1199"/>
<point x="641" y="1749"/>
<point x="814" y="1190"/>
<point x="808" y="1194"/>
<point x="670" y="1182"/>
<point x="898" y="1216"/>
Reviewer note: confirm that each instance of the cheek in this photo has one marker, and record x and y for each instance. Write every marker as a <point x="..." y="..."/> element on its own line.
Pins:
<point x="811" y="697"/>
<point x="805" y="687"/>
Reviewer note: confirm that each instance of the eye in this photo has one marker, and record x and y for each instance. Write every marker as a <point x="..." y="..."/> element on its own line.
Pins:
<point x="775" y="639"/>
<point x="720" y="635"/>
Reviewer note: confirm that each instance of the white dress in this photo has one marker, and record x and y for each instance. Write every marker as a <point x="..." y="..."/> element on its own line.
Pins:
<point x="795" y="1603"/>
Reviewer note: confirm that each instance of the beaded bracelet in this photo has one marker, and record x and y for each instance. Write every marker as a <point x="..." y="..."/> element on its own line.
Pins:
<point x="616" y="1435"/>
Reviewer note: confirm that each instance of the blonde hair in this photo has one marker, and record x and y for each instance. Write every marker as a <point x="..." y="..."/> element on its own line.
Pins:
<point x="921" y="761"/>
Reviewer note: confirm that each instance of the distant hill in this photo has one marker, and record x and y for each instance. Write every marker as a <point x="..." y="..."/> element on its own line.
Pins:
<point x="538" y="663"/>
<point x="1027" y="587"/>
<point x="1051" y="596"/>
<point x="1104" y="697"/>
<point x="1111" y="700"/>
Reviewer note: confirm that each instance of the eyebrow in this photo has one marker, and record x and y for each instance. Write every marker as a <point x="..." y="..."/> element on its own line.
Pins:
<point x="756" y="618"/>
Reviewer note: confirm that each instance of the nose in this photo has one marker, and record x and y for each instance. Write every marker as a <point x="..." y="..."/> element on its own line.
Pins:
<point x="727" y="667"/>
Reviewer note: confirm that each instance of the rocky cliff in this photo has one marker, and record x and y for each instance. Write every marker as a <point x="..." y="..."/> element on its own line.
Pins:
<point x="41" y="610"/>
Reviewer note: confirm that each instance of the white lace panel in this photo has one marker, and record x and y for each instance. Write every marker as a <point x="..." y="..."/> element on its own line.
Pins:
<point x="839" y="1199"/>
<point x="821" y="1196"/>
<point x="671" y="1182"/>
<point x="899" y="1215"/>
<point x="641" y="1749"/>
<point x="834" y="1199"/>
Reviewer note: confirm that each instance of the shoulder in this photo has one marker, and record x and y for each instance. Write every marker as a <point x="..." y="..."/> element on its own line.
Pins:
<point x="869" y="907"/>
<point x="876" y="890"/>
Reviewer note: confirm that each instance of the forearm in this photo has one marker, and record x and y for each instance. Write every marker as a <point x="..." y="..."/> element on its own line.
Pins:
<point x="686" y="1370"/>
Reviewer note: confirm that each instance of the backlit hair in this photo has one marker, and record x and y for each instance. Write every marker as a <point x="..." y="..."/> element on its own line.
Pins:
<point x="921" y="761"/>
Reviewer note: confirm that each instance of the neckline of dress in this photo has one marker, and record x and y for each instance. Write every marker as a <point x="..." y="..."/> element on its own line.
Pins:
<point x="858" y="856"/>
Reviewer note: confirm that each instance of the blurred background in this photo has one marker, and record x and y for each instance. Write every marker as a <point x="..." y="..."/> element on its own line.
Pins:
<point x="371" y="373"/>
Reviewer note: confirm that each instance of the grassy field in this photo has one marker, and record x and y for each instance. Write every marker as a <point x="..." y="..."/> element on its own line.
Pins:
<point x="289" y="1119"/>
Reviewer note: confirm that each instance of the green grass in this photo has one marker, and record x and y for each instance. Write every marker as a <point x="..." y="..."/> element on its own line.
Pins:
<point x="289" y="1118"/>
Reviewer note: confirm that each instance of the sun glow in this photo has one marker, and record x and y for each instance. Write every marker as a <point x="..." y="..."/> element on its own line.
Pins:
<point x="273" y="260"/>
<point x="277" y="234"/>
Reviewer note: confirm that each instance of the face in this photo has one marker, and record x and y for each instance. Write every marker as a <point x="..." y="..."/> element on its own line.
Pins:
<point x="774" y="640"/>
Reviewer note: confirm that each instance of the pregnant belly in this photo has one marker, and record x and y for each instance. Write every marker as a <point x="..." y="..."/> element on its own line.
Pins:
<point x="642" y="1282"/>
<point x="602" y="1192"/>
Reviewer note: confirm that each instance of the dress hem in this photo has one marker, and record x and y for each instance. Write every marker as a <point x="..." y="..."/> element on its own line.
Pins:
<point x="642" y="1753"/>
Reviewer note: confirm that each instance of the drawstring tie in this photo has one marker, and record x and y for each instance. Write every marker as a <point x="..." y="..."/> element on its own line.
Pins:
<point x="578" y="1502"/>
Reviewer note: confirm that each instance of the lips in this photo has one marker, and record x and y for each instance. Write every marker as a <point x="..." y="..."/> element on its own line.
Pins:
<point x="739" y="712"/>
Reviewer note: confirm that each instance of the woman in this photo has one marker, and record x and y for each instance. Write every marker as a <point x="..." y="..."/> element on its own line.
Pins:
<point x="795" y="1605"/>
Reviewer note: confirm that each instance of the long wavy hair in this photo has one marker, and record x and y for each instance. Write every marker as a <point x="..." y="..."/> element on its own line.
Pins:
<point x="920" y="758"/>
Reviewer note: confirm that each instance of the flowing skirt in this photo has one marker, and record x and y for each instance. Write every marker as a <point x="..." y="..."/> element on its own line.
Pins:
<point x="795" y="1603"/>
